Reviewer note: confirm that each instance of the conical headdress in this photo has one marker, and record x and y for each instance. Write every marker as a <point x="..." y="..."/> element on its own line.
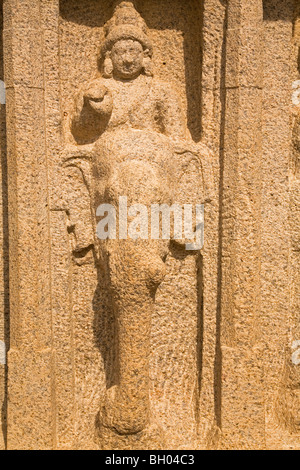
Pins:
<point x="126" y="23"/>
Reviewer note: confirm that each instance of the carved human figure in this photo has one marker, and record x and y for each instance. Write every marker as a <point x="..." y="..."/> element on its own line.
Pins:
<point x="134" y="126"/>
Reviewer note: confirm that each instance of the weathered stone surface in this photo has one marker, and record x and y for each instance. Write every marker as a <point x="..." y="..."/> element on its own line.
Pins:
<point x="139" y="343"/>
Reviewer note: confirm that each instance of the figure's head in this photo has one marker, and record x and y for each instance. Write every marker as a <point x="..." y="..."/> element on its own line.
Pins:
<point x="128" y="59"/>
<point x="127" y="48"/>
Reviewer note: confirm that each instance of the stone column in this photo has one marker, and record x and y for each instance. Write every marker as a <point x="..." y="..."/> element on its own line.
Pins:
<point x="277" y="260"/>
<point x="29" y="359"/>
<point x="242" y="418"/>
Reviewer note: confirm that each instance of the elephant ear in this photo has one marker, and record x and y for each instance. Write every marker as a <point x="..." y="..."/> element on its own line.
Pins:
<point x="194" y="175"/>
<point x="77" y="197"/>
<point x="194" y="185"/>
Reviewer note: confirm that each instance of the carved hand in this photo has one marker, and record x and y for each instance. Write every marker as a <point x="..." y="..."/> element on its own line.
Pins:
<point x="99" y="98"/>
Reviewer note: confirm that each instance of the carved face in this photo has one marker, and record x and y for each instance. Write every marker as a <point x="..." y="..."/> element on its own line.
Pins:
<point x="127" y="57"/>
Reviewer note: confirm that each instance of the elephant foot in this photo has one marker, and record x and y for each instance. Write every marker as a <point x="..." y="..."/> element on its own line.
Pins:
<point x="124" y="415"/>
<point x="127" y="426"/>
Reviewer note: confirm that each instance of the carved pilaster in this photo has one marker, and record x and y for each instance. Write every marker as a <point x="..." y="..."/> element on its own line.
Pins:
<point x="241" y="383"/>
<point x="30" y="356"/>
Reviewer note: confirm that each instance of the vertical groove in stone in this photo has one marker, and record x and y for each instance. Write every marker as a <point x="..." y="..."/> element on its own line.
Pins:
<point x="213" y="32"/>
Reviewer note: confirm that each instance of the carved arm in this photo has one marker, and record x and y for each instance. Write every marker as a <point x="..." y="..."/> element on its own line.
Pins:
<point x="93" y="108"/>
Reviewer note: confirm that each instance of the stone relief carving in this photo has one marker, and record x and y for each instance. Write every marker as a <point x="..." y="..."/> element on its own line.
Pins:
<point x="131" y="140"/>
<point x="224" y="335"/>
